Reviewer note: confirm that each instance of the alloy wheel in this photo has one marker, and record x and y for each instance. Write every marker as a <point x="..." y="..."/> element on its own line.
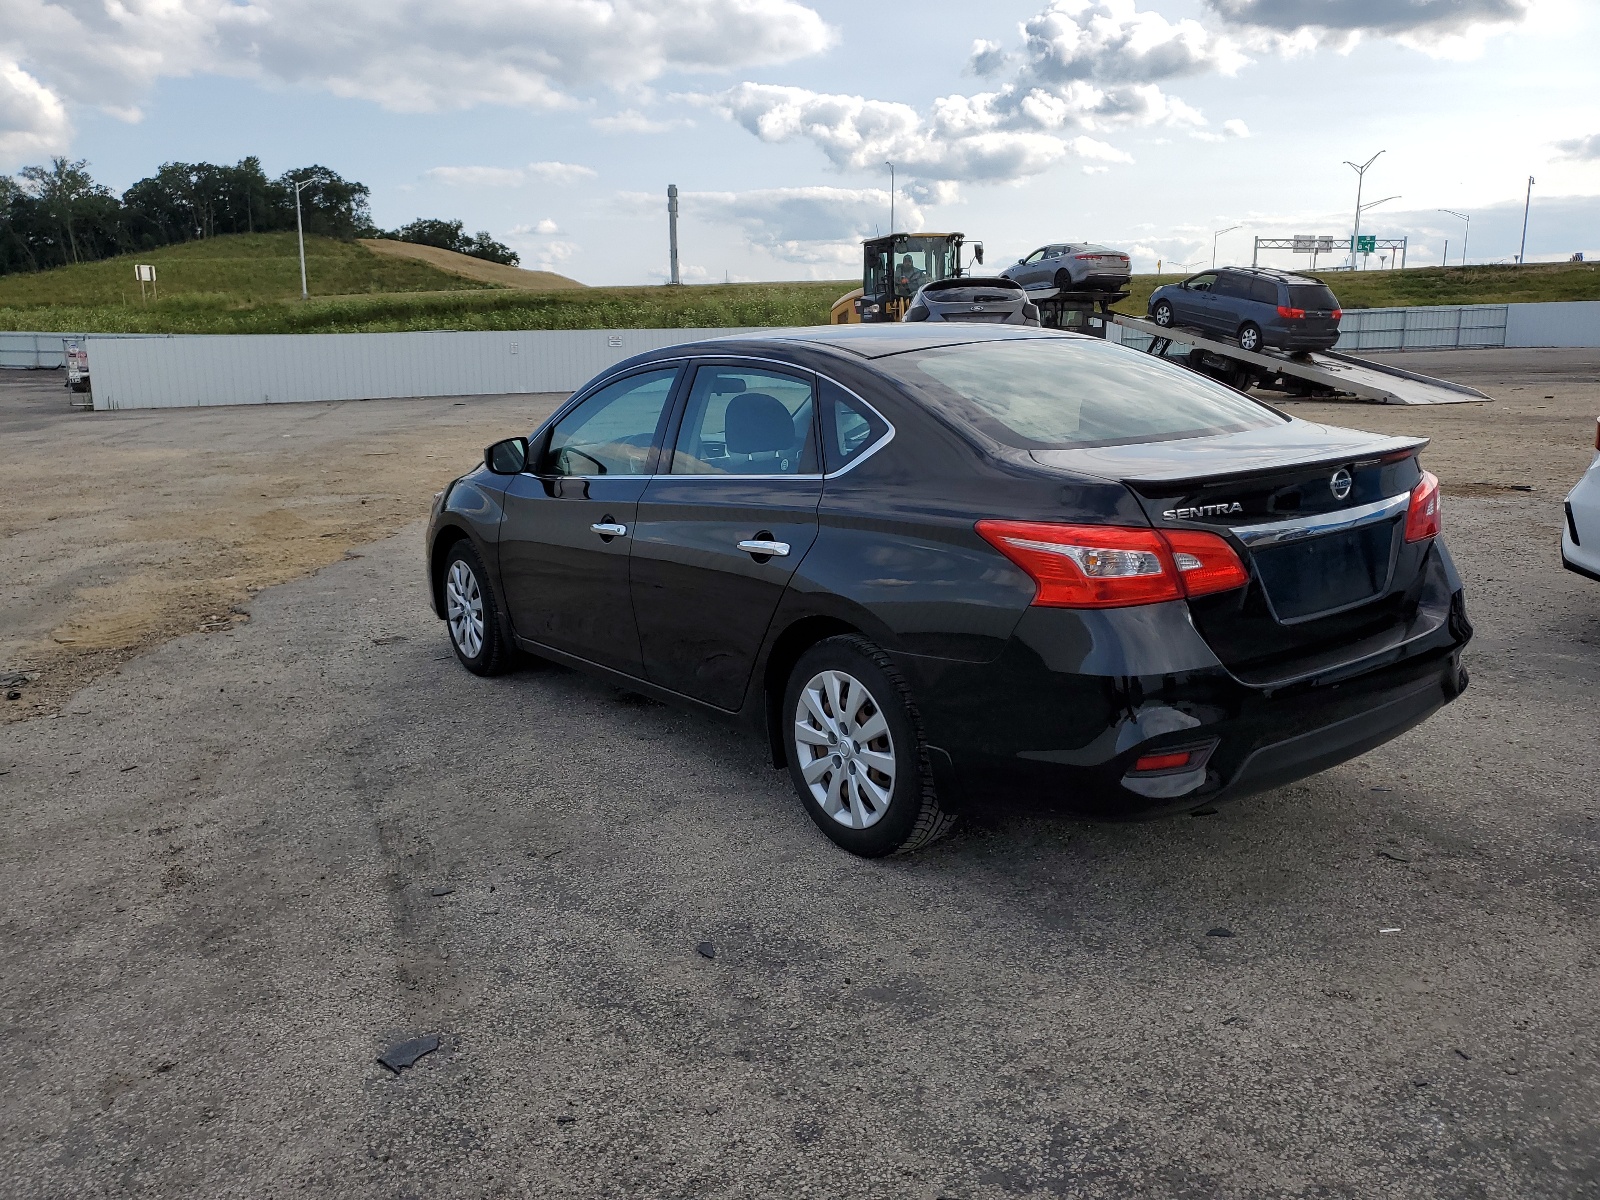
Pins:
<point x="1163" y="314"/>
<point x="463" y="603"/>
<point x="844" y="748"/>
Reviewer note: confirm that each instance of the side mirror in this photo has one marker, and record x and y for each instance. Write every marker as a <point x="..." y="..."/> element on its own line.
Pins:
<point x="509" y="457"/>
<point x="977" y="253"/>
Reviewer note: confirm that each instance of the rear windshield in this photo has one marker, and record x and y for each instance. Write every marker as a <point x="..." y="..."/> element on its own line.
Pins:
<point x="974" y="295"/>
<point x="1064" y="394"/>
<point x="1311" y="296"/>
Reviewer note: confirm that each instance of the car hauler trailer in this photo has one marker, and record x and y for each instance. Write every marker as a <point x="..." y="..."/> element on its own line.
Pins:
<point x="1308" y="373"/>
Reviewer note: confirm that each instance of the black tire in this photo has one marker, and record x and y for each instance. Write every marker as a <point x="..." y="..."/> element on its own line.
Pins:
<point x="1250" y="337"/>
<point x="910" y="817"/>
<point x="1161" y="314"/>
<point x="1064" y="280"/>
<point x="488" y="654"/>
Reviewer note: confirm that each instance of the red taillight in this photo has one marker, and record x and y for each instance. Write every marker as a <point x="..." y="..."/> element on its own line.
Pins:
<point x="1338" y="313"/>
<point x="1291" y="314"/>
<point x="1108" y="566"/>
<point x="1422" y="519"/>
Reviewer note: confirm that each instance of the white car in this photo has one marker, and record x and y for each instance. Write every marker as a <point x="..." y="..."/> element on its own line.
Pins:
<point x="1580" y="539"/>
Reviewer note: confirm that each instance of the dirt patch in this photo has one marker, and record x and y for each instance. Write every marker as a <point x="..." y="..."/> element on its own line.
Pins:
<point x="122" y="530"/>
<point x="472" y="268"/>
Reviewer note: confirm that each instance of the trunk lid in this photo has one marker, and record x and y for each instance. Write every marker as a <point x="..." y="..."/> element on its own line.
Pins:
<point x="1317" y="515"/>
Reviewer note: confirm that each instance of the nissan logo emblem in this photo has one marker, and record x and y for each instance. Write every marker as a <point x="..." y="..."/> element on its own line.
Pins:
<point x="1340" y="484"/>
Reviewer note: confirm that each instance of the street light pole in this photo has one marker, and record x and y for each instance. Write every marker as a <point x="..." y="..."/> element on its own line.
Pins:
<point x="1465" y="234"/>
<point x="1214" y="238"/>
<point x="300" y="233"/>
<point x="1522" y="253"/>
<point x="1361" y="178"/>
<point x="890" y="165"/>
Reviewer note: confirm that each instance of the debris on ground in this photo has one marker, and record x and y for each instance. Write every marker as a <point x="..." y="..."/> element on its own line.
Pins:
<point x="403" y="1054"/>
<point x="443" y="891"/>
<point x="390" y="640"/>
<point x="706" y="950"/>
<point x="1392" y="857"/>
<point x="1219" y="931"/>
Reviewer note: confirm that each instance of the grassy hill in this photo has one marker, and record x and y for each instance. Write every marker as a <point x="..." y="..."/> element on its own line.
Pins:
<point x="251" y="284"/>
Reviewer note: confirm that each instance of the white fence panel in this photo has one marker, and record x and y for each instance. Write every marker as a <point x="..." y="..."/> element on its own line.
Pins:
<point x="191" y="371"/>
<point x="1574" y="323"/>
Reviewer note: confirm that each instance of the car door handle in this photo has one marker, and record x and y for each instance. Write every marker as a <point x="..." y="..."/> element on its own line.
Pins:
<point x="764" y="549"/>
<point x="609" y="529"/>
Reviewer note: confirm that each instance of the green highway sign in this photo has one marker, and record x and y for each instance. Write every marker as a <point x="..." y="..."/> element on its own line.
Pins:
<point x="1366" y="244"/>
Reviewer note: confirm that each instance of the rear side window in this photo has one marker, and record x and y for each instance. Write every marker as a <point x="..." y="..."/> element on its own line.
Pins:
<point x="1064" y="394"/>
<point x="849" y="428"/>
<point x="1311" y="296"/>
<point x="1231" y="285"/>
<point x="1264" y="291"/>
<point x="742" y="421"/>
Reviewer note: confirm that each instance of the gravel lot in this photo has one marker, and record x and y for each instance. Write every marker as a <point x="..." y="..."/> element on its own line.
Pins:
<point x="240" y="863"/>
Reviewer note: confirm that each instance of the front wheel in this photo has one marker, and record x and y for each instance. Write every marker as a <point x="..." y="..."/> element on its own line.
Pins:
<point x="1250" y="336"/>
<point x="471" y="614"/>
<point x="856" y="751"/>
<point x="1064" y="280"/>
<point x="1162" y="314"/>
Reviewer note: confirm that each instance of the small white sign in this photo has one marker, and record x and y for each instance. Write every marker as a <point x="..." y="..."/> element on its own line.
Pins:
<point x="144" y="273"/>
<point x="614" y="342"/>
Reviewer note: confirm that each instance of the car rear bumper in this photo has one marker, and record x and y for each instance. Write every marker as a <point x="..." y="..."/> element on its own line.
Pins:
<point x="1102" y="282"/>
<point x="1070" y="737"/>
<point x="1301" y="341"/>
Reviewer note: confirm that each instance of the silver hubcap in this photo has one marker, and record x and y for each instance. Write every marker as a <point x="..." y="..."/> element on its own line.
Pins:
<point x="1248" y="341"/>
<point x="463" y="608"/>
<point x="845" y="751"/>
<point x="1163" y="315"/>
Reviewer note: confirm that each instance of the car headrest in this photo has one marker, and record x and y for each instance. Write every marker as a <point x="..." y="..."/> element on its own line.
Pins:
<point x="757" y="423"/>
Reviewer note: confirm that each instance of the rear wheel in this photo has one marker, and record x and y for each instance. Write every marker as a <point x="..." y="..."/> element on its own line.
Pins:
<point x="1250" y="336"/>
<point x="856" y="751"/>
<point x="1162" y="314"/>
<point x="1064" y="280"/>
<point x="471" y="614"/>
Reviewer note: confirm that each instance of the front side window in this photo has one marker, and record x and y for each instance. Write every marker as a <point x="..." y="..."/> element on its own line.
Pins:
<point x="613" y="432"/>
<point x="1036" y="256"/>
<point x="1200" y="283"/>
<point x="747" y="421"/>
<point x="1061" y="394"/>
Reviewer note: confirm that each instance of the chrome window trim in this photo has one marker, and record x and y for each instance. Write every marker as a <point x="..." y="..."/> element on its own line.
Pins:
<point x="1279" y="533"/>
<point x="777" y="362"/>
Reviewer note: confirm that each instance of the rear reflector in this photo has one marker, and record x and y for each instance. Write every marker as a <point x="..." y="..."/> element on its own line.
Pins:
<point x="1109" y="566"/>
<point x="1423" y="518"/>
<point x="1170" y="762"/>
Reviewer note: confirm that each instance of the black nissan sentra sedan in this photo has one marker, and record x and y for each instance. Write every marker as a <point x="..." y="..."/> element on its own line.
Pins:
<point x="933" y="564"/>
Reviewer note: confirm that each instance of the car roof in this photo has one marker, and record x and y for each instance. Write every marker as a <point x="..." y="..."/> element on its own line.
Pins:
<point x="1272" y="273"/>
<point x="866" y="341"/>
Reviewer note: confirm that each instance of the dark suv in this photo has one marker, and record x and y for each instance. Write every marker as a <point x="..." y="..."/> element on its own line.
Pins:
<point x="1254" y="306"/>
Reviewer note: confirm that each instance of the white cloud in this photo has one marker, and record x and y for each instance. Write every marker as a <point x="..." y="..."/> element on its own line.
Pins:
<point x="546" y="226"/>
<point x="1585" y="149"/>
<point x="1110" y="42"/>
<point x="987" y="58"/>
<point x="475" y="176"/>
<point x="1441" y="28"/>
<point x="632" y="121"/>
<point x="813" y="225"/>
<point x="560" y="172"/>
<point x="33" y="121"/>
<point x="406" y="55"/>
<point x="1236" y="128"/>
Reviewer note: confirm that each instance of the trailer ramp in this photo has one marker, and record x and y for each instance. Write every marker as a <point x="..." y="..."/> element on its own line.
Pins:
<point x="1377" y="382"/>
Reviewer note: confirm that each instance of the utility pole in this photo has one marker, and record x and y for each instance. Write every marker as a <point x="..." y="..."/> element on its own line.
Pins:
<point x="300" y="232"/>
<point x="1467" y="232"/>
<point x="1361" y="178"/>
<point x="672" y="228"/>
<point x="1214" y="238"/>
<point x="1522" y="253"/>
<point x="890" y="165"/>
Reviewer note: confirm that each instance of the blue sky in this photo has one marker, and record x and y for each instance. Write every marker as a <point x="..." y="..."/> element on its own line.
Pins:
<point x="557" y="125"/>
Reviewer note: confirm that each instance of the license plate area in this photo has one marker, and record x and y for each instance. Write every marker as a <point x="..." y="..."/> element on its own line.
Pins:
<point x="1318" y="576"/>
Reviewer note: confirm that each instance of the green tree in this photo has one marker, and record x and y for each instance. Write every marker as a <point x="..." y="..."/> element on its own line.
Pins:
<point x="68" y="194"/>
